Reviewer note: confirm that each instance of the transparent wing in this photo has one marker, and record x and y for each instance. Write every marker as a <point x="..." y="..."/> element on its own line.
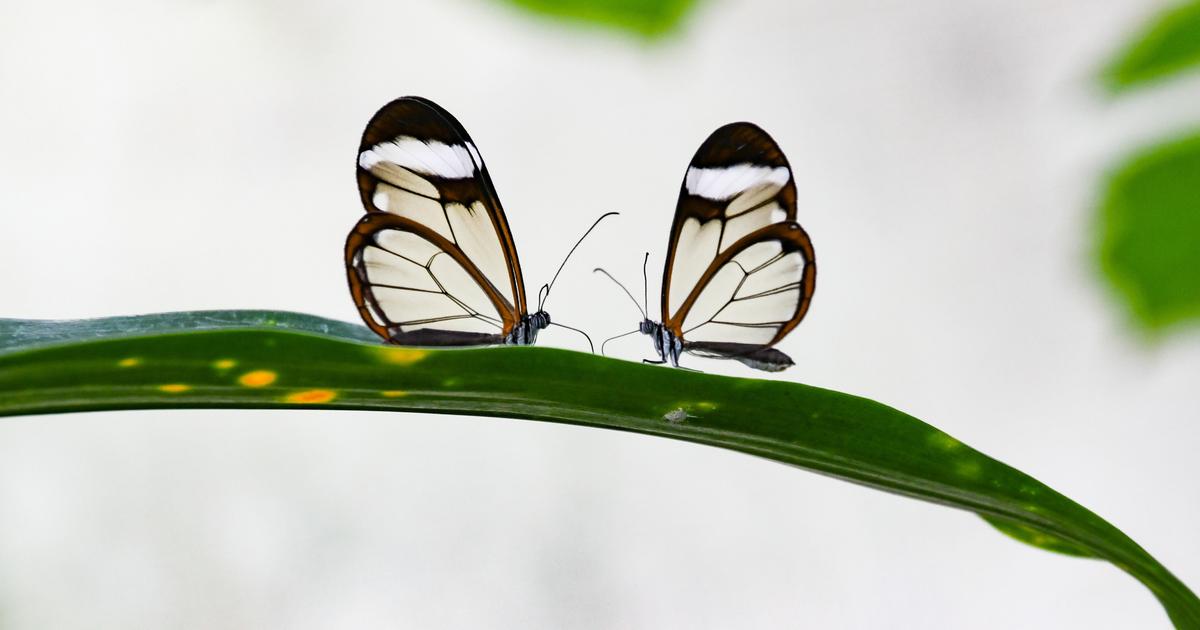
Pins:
<point x="754" y="292"/>
<point x="417" y="163"/>
<point x="740" y="271"/>
<point x="413" y="286"/>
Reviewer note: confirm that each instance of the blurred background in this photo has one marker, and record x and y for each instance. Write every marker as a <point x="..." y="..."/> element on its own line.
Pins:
<point x="960" y="166"/>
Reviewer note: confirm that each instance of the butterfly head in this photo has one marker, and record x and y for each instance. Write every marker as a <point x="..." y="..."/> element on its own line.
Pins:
<point x="526" y="331"/>
<point x="648" y="327"/>
<point x="538" y="320"/>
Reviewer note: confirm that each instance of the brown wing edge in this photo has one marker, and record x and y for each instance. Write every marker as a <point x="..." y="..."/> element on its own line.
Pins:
<point x="422" y="118"/>
<point x="364" y="298"/>
<point x="793" y="238"/>
<point x="734" y="143"/>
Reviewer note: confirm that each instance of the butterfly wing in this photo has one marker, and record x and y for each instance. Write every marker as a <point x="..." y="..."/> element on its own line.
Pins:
<point x="433" y="262"/>
<point x="740" y="272"/>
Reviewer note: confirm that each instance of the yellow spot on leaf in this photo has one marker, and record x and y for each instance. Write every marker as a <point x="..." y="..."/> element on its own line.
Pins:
<point x="401" y="356"/>
<point x="705" y="405"/>
<point x="311" y="396"/>
<point x="224" y="364"/>
<point x="393" y="393"/>
<point x="174" y="388"/>
<point x="129" y="362"/>
<point x="258" y="378"/>
<point x="968" y="468"/>
<point x="943" y="441"/>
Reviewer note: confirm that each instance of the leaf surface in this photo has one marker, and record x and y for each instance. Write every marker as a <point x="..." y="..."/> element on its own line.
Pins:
<point x="259" y="359"/>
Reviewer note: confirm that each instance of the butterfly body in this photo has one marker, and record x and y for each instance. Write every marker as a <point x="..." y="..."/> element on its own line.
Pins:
<point x="526" y="331"/>
<point x="668" y="346"/>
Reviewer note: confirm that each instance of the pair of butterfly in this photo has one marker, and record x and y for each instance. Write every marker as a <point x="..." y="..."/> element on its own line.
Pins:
<point x="433" y="262"/>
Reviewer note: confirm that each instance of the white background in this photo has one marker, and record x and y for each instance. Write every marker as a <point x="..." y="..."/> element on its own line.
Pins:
<point x="159" y="156"/>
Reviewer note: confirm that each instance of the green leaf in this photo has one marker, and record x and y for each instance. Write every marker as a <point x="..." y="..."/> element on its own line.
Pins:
<point x="1031" y="536"/>
<point x="1149" y="234"/>
<point x="282" y="360"/>
<point x="1169" y="44"/>
<point x="17" y="333"/>
<point x="649" y="18"/>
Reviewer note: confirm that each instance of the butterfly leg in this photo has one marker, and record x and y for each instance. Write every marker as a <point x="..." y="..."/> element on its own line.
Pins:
<point x="652" y="362"/>
<point x="675" y="364"/>
<point x="674" y="350"/>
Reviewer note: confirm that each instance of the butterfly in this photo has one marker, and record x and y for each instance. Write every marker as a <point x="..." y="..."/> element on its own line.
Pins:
<point x="433" y="262"/>
<point x="740" y="271"/>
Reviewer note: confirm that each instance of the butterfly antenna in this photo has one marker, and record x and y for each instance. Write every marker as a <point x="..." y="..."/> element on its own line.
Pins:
<point x="631" y="298"/>
<point x="645" y="286"/>
<point x="585" y="335"/>
<point x="617" y="337"/>
<point x="547" y="287"/>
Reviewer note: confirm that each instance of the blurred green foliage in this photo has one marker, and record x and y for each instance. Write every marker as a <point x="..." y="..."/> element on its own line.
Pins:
<point x="649" y="18"/>
<point x="1150" y="240"/>
<point x="1149" y="219"/>
<point x="1170" y="43"/>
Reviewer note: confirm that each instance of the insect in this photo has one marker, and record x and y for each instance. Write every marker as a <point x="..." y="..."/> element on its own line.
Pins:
<point x="433" y="262"/>
<point x="740" y="272"/>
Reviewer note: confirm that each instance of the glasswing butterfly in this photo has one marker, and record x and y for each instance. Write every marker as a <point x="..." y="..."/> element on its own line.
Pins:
<point x="740" y="272"/>
<point x="433" y="262"/>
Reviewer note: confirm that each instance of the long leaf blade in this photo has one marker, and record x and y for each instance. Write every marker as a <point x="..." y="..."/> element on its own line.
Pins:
<point x="271" y="359"/>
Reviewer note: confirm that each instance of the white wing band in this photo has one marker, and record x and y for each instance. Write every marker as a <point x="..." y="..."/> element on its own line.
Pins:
<point x="449" y="161"/>
<point x="726" y="182"/>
